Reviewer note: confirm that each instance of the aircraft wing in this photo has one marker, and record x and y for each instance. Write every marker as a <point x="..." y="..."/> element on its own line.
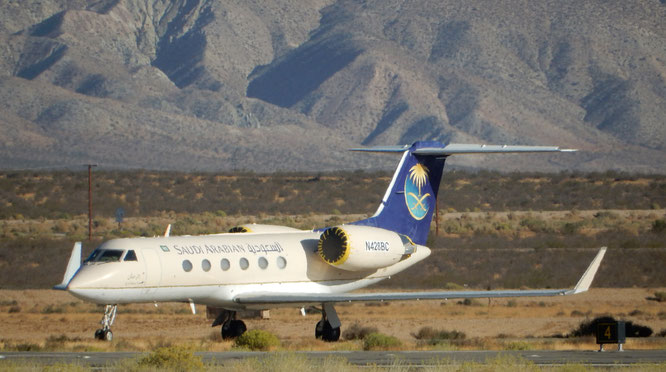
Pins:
<point x="267" y="298"/>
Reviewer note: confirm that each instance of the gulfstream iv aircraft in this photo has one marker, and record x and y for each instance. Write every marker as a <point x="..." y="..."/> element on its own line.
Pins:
<point x="258" y="267"/>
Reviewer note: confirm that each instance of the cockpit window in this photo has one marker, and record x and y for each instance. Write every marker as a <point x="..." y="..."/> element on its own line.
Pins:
<point x="130" y="256"/>
<point x="93" y="256"/>
<point x="110" y="255"/>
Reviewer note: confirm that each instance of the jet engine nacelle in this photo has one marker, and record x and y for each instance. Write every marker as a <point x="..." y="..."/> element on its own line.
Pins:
<point x="357" y="248"/>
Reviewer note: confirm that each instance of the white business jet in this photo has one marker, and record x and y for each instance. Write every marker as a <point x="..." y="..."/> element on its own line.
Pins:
<point x="258" y="267"/>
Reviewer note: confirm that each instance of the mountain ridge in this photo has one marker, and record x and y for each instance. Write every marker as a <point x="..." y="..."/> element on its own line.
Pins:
<point x="290" y="85"/>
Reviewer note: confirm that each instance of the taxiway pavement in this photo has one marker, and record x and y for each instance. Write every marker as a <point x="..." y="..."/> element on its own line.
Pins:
<point x="412" y="358"/>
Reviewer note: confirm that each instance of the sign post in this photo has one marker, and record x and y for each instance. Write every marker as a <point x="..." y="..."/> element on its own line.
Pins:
<point x="611" y="333"/>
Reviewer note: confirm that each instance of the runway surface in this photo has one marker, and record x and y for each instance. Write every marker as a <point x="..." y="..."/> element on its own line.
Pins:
<point x="414" y="358"/>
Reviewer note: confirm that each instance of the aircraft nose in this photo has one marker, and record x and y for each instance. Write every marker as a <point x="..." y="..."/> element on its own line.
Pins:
<point x="77" y="286"/>
<point x="87" y="282"/>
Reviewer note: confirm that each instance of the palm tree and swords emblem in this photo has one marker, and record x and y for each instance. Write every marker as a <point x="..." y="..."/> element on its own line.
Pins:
<point x="416" y="201"/>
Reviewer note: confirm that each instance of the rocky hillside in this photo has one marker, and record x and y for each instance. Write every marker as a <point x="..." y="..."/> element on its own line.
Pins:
<point x="290" y="84"/>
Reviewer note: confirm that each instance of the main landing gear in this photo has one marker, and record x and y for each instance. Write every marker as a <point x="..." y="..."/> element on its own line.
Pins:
<point x="231" y="327"/>
<point x="105" y="333"/>
<point x="328" y="328"/>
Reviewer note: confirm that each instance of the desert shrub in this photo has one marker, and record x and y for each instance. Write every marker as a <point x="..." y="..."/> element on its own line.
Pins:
<point x="518" y="345"/>
<point x="571" y="228"/>
<point x="14" y="309"/>
<point x="428" y="333"/>
<point x="65" y="367"/>
<point x="431" y="336"/>
<point x="658" y="226"/>
<point x="660" y="296"/>
<point x="293" y="362"/>
<point x="589" y="328"/>
<point x="24" y="347"/>
<point x="638" y="330"/>
<point x="469" y="302"/>
<point x="534" y="224"/>
<point x="257" y="339"/>
<point x="58" y="342"/>
<point x="453" y="286"/>
<point x="661" y="333"/>
<point x="379" y="341"/>
<point x="172" y="358"/>
<point x="51" y="309"/>
<point x="357" y="332"/>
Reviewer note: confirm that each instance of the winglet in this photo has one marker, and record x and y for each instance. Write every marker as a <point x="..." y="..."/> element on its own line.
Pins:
<point x="586" y="280"/>
<point x="167" y="232"/>
<point x="72" y="267"/>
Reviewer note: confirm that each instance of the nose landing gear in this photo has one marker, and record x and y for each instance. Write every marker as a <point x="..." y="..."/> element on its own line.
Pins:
<point x="104" y="333"/>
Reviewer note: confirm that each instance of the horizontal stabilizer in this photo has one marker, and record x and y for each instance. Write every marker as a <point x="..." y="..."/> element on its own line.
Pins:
<point x="465" y="149"/>
<point x="314" y="298"/>
<point x="72" y="267"/>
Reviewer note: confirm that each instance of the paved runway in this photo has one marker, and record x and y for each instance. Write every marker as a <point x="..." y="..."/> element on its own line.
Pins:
<point x="415" y="358"/>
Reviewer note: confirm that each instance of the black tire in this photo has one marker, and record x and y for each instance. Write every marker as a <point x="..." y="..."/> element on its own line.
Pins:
<point x="233" y="329"/>
<point x="319" y="329"/>
<point x="329" y="333"/>
<point x="99" y="334"/>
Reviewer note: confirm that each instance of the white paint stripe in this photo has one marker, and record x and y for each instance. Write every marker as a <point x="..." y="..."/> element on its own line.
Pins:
<point x="388" y="191"/>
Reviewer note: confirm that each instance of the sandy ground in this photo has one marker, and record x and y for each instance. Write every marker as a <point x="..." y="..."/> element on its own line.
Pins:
<point x="32" y="316"/>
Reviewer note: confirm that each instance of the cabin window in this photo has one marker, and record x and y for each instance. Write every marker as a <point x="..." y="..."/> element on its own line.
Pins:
<point x="110" y="255"/>
<point x="281" y="262"/>
<point x="130" y="256"/>
<point x="205" y="265"/>
<point x="263" y="263"/>
<point x="244" y="263"/>
<point x="224" y="264"/>
<point x="187" y="265"/>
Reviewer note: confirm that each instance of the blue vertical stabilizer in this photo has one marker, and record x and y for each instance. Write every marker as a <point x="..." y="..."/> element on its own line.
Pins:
<point x="409" y="203"/>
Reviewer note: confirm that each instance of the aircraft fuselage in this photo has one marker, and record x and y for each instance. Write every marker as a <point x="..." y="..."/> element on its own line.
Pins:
<point x="213" y="269"/>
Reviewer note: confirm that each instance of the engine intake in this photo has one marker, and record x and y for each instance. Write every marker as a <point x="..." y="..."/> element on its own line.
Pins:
<point x="356" y="248"/>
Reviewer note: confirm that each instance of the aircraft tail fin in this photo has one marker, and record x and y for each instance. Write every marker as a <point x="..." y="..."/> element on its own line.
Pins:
<point x="409" y="203"/>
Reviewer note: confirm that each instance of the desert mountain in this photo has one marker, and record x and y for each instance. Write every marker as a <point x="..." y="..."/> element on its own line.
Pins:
<point x="291" y="84"/>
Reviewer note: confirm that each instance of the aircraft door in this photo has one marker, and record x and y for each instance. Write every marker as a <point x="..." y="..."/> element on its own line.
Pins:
<point x="153" y="269"/>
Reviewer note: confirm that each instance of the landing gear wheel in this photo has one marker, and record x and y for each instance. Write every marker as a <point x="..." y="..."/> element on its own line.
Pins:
<point x="325" y="332"/>
<point x="104" y="335"/>
<point x="232" y="329"/>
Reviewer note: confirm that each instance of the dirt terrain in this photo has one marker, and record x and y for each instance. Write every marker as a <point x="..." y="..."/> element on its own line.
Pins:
<point x="31" y="317"/>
